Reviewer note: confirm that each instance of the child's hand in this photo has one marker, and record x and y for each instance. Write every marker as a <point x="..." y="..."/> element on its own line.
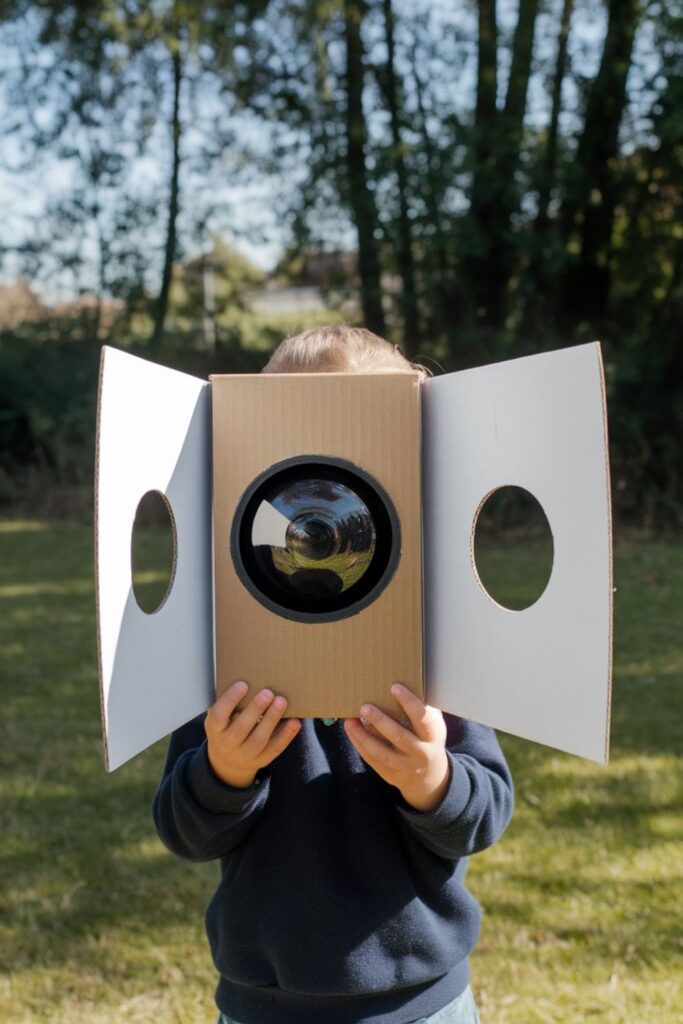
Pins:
<point x="239" y="744"/>
<point x="415" y="762"/>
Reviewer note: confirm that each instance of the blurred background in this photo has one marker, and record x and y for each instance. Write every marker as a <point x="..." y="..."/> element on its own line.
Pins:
<point x="474" y="180"/>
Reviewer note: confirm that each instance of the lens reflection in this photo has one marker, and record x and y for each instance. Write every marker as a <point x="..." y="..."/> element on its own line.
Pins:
<point x="313" y="536"/>
<point x="315" y="539"/>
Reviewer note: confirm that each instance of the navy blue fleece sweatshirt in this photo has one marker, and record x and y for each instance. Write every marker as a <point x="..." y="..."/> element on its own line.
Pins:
<point x="338" y="903"/>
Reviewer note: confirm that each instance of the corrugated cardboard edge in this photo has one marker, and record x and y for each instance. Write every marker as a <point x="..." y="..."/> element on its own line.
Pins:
<point x="610" y="640"/>
<point x="96" y="542"/>
<point x="420" y="447"/>
<point x="213" y="537"/>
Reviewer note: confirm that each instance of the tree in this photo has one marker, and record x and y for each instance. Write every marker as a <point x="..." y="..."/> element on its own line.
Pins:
<point x="392" y="92"/>
<point x="359" y="190"/>
<point x="495" y="191"/>
<point x="542" y="241"/>
<point x="117" y="81"/>
<point x="591" y="195"/>
<point x="170" y="246"/>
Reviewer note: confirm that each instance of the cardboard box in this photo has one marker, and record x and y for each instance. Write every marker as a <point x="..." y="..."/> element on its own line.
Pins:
<point x="439" y="448"/>
<point x="367" y="425"/>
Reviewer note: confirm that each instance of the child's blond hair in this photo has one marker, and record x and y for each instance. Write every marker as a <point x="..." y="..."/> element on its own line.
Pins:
<point x="339" y="348"/>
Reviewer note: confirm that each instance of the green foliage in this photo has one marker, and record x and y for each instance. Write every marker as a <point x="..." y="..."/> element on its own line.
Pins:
<point x="49" y="384"/>
<point x="210" y="295"/>
<point x="48" y="392"/>
<point x="486" y="227"/>
<point x="645" y="400"/>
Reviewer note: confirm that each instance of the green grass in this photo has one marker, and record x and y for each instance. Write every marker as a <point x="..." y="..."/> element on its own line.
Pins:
<point x="99" y="923"/>
<point x="348" y="565"/>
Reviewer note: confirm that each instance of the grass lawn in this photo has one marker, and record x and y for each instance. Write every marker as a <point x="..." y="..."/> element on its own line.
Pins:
<point x="582" y="898"/>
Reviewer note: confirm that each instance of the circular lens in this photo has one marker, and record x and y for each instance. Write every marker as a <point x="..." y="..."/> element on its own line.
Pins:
<point x="329" y="540"/>
<point x="310" y="536"/>
<point x="315" y="538"/>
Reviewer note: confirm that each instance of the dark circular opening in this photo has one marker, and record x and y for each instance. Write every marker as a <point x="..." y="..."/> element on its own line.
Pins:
<point x="315" y="538"/>
<point x="312" y="537"/>
<point x="513" y="548"/>
<point x="153" y="551"/>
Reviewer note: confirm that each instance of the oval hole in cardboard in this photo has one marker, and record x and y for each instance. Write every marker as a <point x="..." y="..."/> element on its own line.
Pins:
<point x="512" y="547"/>
<point x="153" y="551"/>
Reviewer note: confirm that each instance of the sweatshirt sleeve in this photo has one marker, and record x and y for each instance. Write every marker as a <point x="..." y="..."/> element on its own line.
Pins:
<point x="198" y="816"/>
<point x="478" y="803"/>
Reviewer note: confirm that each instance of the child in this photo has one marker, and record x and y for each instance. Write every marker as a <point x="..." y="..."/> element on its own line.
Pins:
<point x="343" y="845"/>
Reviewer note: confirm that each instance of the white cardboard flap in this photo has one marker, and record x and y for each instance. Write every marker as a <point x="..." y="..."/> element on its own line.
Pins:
<point x="156" y="670"/>
<point x="543" y="673"/>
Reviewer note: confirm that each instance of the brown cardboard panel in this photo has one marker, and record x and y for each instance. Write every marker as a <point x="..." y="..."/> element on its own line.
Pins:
<point x="373" y="421"/>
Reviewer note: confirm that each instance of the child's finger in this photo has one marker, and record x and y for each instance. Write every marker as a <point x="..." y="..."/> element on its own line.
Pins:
<point x="375" y="752"/>
<point x="420" y="715"/>
<point x="242" y="725"/>
<point x="219" y="714"/>
<point x="389" y="729"/>
<point x="265" y="726"/>
<point x="281" y="738"/>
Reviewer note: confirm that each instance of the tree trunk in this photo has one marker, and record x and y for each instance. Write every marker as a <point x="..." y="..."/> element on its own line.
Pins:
<point x="360" y="195"/>
<point x="406" y="263"/>
<point x="482" y="211"/>
<point x="209" y="302"/>
<point x="441" y="317"/>
<point x="518" y="83"/>
<point x="495" y="192"/>
<point x="102" y="263"/>
<point x="173" y="205"/>
<point x="540" y="288"/>
<point x="549" y="170"/>
<point x="589" y="210"/>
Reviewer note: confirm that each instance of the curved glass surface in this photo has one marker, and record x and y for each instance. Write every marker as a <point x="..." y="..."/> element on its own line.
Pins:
<point x="319" y="534"/>
<point x="314" y="539"/>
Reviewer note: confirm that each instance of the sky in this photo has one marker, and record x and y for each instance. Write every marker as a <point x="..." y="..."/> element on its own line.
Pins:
<point x="248" y="213"/>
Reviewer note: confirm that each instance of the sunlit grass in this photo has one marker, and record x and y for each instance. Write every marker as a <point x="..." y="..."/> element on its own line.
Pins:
<point x="45" y="587"/>
<point x="98" y="923"/>
<point x="349" y="566"/>
<point x="582" y="895"/>
<point x="22" y="526"/>
<point x="514" y="575"/>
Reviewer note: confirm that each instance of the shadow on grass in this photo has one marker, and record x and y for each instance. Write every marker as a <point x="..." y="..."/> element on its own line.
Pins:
<point x="84" y="878"/>
<point x="86" y="860"/>
<point x="640" y="918"/>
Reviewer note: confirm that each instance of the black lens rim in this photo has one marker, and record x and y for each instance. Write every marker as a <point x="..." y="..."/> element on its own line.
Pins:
<point x="387" y="532"/>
